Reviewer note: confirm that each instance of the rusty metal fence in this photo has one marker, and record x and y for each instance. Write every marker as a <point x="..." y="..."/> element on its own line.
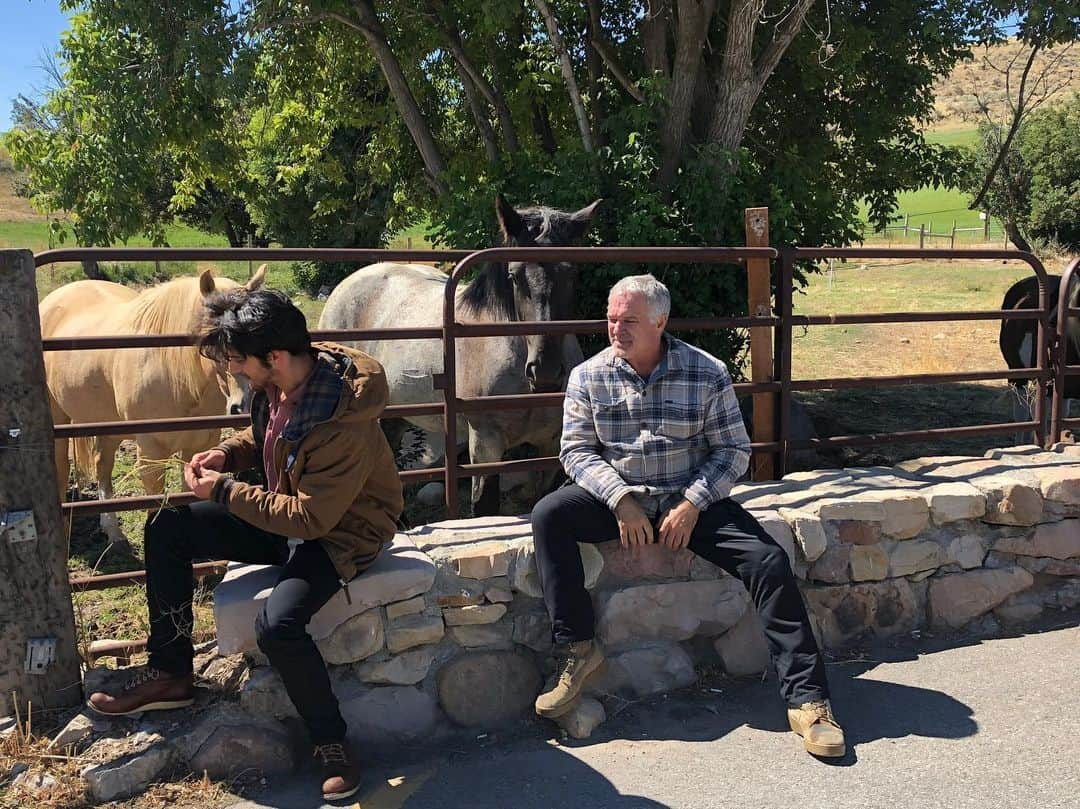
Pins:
<point x="1049" y="373"/>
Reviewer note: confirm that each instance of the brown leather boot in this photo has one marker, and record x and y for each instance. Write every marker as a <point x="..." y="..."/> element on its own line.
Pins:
<point x="148" y="689"/>
<point x="575" y="665"/>
<point x="340" y="771"/>
<point x="822" y="735"/>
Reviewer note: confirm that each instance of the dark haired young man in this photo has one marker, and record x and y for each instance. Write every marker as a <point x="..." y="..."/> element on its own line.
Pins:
<point x="331" y="481"/>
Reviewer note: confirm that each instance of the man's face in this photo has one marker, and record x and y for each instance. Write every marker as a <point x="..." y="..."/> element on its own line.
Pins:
<point x="632" y="331"/>
<point x="252" y="368"/>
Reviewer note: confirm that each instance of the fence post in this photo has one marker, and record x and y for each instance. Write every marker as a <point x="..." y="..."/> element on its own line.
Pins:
<point x="922" y="235"/>
<point x="759" y="304"/>
<point x="952" y="239"/>
<point x="38" y="656"/>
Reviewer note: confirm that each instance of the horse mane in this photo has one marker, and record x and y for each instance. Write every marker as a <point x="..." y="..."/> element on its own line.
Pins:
<point x="491" y="292"/>
<point x="174" y="307"/>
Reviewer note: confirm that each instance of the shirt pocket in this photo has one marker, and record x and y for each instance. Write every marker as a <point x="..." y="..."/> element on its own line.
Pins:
<point x="612" y="419"/>
<point x="681" y="420"/>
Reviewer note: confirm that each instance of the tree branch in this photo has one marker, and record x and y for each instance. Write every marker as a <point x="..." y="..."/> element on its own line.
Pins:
<point x="1006" y="144"/>
<point x="783" y="35"/>
<point x="490" y="94"/>
<point x="372" y="29"/>
<point x="607" y="54"/>
<point x="568" y="73"/>
<point x="487" y="134"/>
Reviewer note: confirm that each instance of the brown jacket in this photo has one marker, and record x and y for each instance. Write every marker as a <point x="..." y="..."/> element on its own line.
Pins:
<point x="337" y="482"/>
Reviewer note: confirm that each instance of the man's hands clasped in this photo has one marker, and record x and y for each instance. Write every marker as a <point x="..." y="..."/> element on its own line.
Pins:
<point x="676" y="524"/>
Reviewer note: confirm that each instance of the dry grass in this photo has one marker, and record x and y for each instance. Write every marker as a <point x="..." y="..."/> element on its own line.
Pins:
<point x="29" y="745"/>
<point x="903" y="349"/>
<point x="985" y="77"/>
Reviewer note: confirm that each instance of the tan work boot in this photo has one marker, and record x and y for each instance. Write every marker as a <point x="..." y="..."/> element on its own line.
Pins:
<point x="821" y="734"/>
<point x="149" y="689"/>
<point x="340" y="772"/>
<point x="573" y="668"/>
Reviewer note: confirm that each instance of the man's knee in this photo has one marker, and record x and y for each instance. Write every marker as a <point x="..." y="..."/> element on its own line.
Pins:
<point x="273" y="636"/>
<point x="549" y="511"/>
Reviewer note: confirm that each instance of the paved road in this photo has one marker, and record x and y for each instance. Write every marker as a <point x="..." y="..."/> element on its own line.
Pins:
<point x="991" y="724"/>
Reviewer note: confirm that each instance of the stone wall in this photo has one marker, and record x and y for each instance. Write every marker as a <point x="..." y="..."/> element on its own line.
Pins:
<point x="449" y="629"/>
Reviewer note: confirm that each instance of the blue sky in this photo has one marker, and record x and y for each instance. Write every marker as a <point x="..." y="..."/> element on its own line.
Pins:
<point x="31" y="29"/>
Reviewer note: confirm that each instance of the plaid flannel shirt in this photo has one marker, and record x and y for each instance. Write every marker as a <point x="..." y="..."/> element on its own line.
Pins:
<point x="677" y="435"/>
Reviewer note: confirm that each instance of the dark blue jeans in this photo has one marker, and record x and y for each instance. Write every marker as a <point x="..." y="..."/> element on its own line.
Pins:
<point x="176" y="537"/>
<point x="726" y="535"/>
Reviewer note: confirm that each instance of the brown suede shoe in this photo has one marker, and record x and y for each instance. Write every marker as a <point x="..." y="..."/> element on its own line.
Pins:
<point x="341" y="774"/>
<point x="575" y="665"/>
<point x="821" y="734"/>
<point x="148" y="690"/>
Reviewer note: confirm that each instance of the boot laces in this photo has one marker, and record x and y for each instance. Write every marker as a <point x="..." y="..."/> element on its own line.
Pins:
<point x="144" y="675"/>
<point x="331" y="754"/>
<point x="565" y="663"/>
<point x="820" y="710"/>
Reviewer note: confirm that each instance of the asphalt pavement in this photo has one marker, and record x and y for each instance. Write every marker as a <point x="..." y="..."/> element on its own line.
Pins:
<point x="992" y="724"/>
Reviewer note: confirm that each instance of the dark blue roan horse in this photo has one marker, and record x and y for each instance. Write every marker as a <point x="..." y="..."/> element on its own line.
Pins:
<point x="389" y="295"/>
<point x="1017" y="340"/>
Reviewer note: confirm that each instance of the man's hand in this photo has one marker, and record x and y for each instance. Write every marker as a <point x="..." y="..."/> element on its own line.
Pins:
<point x="634" y="527"/>
<point x="677" y="524"/>
<point x="210" y="459"/>
<point x="200" y="483"/>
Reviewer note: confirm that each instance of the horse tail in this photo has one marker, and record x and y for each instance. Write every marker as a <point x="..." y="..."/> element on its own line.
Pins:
<point x="85" y="451"/>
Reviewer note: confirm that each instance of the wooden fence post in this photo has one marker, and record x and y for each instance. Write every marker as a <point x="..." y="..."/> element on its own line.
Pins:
<point x="38" y="657"/>
<point x="759" y="304"/>
<point x="922" y="235"/>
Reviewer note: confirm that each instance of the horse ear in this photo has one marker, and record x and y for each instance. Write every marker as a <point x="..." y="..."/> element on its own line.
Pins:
<point x="580" y="220"/>
<point x="206" y="283"/>
<point x="257" y="279"/>
<point x="584" y="216"/>
<point x="509" y="222"/>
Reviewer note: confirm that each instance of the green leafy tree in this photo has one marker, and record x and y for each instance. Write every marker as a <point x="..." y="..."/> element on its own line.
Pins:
<point x="1035" y="190"/>
<point x="331" y="117"/>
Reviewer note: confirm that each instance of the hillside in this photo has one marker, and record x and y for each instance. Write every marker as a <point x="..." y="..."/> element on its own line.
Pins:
<point x="988" y="74"/>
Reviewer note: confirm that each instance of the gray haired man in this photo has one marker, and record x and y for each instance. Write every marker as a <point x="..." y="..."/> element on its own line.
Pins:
<point x="653" y="441"/>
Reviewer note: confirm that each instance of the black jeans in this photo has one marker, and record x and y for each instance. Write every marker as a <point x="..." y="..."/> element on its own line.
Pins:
<point x="725" y="535"/>
<point x="176" y="537"/>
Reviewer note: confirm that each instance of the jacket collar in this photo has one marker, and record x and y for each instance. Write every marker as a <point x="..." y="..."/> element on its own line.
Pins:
<point x="319" y="402"/>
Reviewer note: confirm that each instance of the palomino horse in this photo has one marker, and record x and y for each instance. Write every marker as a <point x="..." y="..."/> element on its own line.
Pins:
<point x="1018" y="341"/>
<point x="406" y="295"/>
<point x="128" y="384"/>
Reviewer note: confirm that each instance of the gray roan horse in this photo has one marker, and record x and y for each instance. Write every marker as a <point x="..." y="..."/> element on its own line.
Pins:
<point x="390" y="295"/>
<point x="1018" y="341"/>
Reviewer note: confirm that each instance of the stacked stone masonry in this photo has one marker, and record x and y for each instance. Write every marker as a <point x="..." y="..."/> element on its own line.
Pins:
<point x="449" y="630"/>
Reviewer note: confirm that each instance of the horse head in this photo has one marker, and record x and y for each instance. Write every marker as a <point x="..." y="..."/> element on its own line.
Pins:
<point x="236" y="390"/>
<point x="543" y="290"/>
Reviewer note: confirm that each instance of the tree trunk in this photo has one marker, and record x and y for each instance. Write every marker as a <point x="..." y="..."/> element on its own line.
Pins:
<point x="1012" y="230"/>
<point x="542" y="128"/>
<point x="654" y="35"/>
<point x="375" y="35"/>
<point x="35" y="598"/>
<point x="92" y="270"/>
<point x="741" y="77"/>
<point x="692" y="29"/>
<point x="567" y="68"/>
